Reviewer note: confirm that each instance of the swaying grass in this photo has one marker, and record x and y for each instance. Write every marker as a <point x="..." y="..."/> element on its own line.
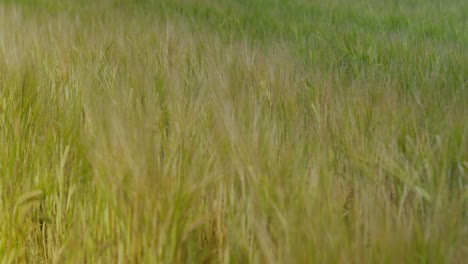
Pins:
<point x="233" y="131"/>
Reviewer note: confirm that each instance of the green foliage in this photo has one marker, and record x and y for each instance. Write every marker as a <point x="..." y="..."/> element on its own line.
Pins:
<point x="238" y="131"/>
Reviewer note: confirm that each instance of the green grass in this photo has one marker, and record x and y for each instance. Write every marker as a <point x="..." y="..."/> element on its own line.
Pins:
<point x="233" y="131"/>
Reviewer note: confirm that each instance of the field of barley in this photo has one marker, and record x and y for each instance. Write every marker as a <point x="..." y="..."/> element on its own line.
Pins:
<point x="233" y="131"/>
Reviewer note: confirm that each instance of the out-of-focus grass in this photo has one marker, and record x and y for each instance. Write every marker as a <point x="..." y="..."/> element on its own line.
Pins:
<point x="234" y="131"/>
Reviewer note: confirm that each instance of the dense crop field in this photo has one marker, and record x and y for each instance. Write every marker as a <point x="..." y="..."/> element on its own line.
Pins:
<point x="234" y="131"/>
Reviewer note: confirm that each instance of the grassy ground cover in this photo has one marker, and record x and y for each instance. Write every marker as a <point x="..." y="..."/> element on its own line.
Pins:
<point x="234" y="131"/>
